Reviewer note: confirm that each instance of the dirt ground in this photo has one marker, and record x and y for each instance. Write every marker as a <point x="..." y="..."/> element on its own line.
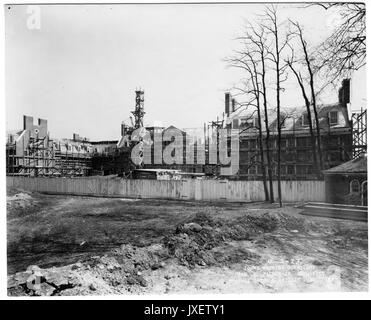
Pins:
<point x="63" y="245"/>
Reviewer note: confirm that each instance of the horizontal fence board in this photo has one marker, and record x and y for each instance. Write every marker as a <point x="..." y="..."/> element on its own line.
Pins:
<point x="191" y="189"/>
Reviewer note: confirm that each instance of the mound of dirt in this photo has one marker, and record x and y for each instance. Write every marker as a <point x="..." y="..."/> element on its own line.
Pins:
<point x="203" y="240"/>
<point x="19" y="200"/>
<point x="193" y="242"/>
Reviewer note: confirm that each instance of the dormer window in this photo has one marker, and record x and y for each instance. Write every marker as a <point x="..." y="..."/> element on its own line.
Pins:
<point x="235" y="123"/>
<point x="249" y="124"/>
<point x="256" y="122"/>
<point x="283" y="123"/>
<point x="333" y="118"/>
<point x="305" y="120"/>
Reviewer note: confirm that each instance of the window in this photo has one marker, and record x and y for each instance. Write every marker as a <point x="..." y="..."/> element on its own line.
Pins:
<point x="305" y="120"/>
<point x="288" y="156"/>
<point x="256" y="122"/>
<point x="354" y="186"/>
<point x="253" y="144"/>
<point x="283" y="170"/>
<point x="252" y="170"/>
<point x="283" y="123"/>
<point x="236" y="123"/>
<point x="249" y="124"/>
<point x="303" y="142"/>
<point x="244" y="156"/>
<point x="334" y="156"/>
<point x="290" y="170"/>
<point x="291" y="142"/>
<point x="302" y="156"/>
<point x="364" y="193"/>
<point x="311" y="170"/>
<point x="244" y="144"/>
<point x="333" y="118"/>
<point x="334" y="141"/>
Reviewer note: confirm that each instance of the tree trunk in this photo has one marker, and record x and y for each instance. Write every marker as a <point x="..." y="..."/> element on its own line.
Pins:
<point x="262" y="160"/>
<point x="278" y="116"/>
<point x="269" y="162"/>
<point x="313" y="95"/>
<point x="262" y="155"/>
<point x="307" y="105"/>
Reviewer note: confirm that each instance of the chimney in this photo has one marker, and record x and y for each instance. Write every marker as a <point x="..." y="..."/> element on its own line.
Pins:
<point x="344" y="98"/>
<point x="27" y="122"/>
<point x="344" y="92"/>
<point x="227" y="103"/>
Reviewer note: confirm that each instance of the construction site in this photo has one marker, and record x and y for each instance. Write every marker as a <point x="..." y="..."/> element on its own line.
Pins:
<point x="126" y="228"/>
<point x="175" y="149"/>
<point x="32" y="152"/>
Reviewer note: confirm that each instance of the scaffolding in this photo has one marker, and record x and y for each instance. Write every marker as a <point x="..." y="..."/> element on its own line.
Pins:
<point x="359" y="133"/>
<point x="40" y="157"/>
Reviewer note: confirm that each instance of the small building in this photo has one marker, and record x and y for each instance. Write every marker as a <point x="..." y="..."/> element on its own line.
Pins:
<point x="347" y="183"/>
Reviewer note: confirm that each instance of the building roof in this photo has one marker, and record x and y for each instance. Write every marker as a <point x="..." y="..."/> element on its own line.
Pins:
<point x="293" y="118"/>
<point x="358" y="165"/>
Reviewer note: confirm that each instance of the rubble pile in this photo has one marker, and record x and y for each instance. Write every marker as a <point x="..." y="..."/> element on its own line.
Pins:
<point x="120" y="269"/>
<point x="125" y="265"/>
<point x="40" y="282"/>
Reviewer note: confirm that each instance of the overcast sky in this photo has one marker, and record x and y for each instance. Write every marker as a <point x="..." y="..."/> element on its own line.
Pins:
<point x="81" y="68"/>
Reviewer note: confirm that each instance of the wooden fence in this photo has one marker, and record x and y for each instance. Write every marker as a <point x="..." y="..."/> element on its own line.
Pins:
<point x="192" y="189"/>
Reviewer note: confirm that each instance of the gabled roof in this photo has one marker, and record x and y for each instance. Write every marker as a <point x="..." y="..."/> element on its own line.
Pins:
<point x="358" y="165"/>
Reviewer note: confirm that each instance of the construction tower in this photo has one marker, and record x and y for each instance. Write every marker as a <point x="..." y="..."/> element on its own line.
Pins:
<point x="139" y="109"/>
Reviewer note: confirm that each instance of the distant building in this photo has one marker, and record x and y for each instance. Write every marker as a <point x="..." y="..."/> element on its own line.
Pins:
<point x="296" y="149"/>
<point x="31" y="152"/>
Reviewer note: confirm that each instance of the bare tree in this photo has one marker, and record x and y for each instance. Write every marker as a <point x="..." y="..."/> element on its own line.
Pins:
<point x="246" y="61"/>
<point x="262" y="52"/>
<point x="290" y="62"/>
<point x="306" y="61"/>
<point x="272" y="26"/>
<point x="345" y="49"/>
<point x="254" y="41"/>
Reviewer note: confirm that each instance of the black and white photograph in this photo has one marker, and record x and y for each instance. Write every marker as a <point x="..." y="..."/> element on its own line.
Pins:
<point x="174" y="149"/>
